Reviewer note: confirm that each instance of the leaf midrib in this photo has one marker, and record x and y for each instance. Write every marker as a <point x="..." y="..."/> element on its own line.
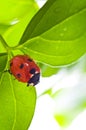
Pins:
<point x="50" y="56"/>
<point x="41" y="18"/>
<point x="25" y="47"/>
<point x="67" y="17"/>
<point x="14" y="102"/>
<point x="62" y="22"/>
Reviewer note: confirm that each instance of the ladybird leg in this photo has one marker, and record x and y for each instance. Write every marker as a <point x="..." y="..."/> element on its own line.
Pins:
<point x="27" y="84"/>
<point x="30" y="84"/>
<point x="11" y="63"/>
<point x="8" y="71"/>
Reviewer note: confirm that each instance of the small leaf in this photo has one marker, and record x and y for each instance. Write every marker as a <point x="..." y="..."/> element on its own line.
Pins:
<point x="3" y="61"/>
<point x="17" y="104"/>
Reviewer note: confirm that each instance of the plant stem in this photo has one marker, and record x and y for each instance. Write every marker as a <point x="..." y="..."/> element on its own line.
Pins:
<point x="4" y="42"/>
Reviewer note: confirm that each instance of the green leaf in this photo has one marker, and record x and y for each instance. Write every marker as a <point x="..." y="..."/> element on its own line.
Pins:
<point x="2" y="47"/>
<point x="13" y="11"/>
<point x="50" y="15"/>
<point x="48" y="70"/>
<point x="17" y="104"/>
<point x="0" y="74"/>
<point x="14" y="33"/>
<point x="3" y="61"/>
<point x="55" y="53"/>
<point x="3" y="28"/>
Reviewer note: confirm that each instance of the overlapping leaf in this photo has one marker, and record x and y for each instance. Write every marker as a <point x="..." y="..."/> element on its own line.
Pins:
<point x="52" y="13"/>
<point x="58" y="38"/>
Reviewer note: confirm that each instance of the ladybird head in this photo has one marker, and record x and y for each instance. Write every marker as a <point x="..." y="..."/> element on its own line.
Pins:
<point x="35" y="75"/>
<point x="34" y="80"/>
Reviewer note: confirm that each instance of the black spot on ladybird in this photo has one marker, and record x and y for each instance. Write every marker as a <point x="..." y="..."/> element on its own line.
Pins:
<point x="32" y="71"/>
<point x="18" y="75"/>
<point x="21" y="66"/>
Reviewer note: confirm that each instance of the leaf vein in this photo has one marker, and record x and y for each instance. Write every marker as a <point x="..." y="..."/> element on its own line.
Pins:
<point x="14" y="103"/>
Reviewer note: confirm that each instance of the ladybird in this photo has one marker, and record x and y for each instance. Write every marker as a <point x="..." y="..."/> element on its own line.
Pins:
<point x="25" y="69"/>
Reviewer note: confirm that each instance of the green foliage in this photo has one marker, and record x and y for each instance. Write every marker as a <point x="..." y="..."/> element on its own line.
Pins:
<point x="17" y="103"/>
<point x="55" y="53"/>
<point x="15" y="31"/>
<point x="61" y="36"/>
<point x="55" y="36"/>
<point x="53" y="13"/>
<point x="3" y="28"/>
<point x="13" y="10"/>
<point x="3" y="61"/>
<point x="48" y="70"/>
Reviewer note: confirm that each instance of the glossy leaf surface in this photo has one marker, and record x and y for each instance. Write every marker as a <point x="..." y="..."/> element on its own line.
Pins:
<point x="17" y="104"/>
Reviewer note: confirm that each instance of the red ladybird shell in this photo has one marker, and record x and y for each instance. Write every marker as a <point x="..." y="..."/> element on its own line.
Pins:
<point x="25" y="69"/>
